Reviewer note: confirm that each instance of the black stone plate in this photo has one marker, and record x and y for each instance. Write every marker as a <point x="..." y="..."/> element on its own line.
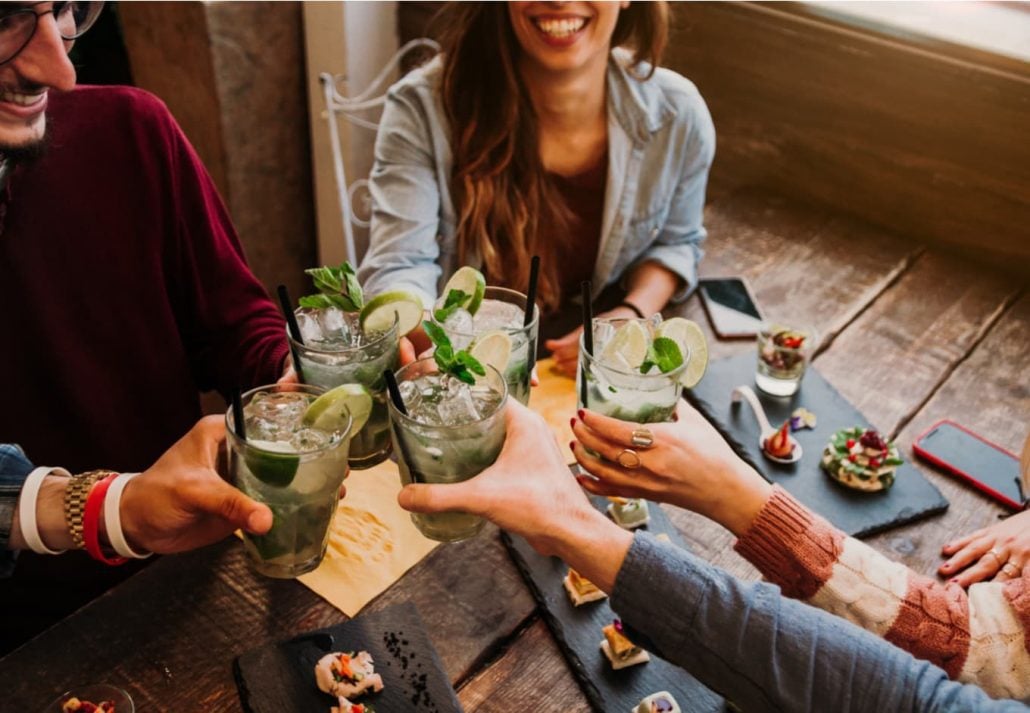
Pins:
<point x="578" y="633"/>
<point x="281" y="677"/>
<point x="859" y="514"/>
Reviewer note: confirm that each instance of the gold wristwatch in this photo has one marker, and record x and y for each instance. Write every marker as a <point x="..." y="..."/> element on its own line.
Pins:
<point x="75" y="495"/>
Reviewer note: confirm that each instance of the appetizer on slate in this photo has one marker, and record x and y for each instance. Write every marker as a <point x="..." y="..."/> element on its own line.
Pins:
<point x="348" y="675"/>
<point x="661" y="702"/>
<point x="581" y="590"/>
<point x="862" y="459"/>
<point x="621" y="652"/>
<point x="629" y="513"/>
<point x="780" y="445"/>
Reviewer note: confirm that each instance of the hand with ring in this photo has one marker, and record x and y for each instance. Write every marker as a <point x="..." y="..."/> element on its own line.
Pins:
<point x="1000" y="552"/>
<point x="684" y="463"/>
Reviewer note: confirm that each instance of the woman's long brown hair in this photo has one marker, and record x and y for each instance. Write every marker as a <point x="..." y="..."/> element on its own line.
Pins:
<point x="506" y="207"/>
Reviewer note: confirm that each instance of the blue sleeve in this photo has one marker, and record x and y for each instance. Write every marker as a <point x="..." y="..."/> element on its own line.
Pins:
<point x="14" y="469"/>
<point x="765" y="652"/>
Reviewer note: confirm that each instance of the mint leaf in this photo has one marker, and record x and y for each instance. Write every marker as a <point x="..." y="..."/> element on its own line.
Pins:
<point x="315" y="302"/>
<point x="667" y="354"/>
<point x="456" y="299"/>
<point x="471" y="363"/>
<point x="462" y="373"/>
<point x="436" y="334"/>
<point x="337" y="285"/>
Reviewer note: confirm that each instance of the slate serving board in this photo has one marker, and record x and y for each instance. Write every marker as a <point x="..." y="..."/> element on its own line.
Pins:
<point x="578" y="633"/>
<point x="281" y="677"/>
<point x="859" y="514"/>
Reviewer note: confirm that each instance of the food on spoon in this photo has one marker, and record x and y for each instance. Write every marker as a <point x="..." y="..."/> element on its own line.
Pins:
<point x="861" y="459"/>
<point x="780" y="445"/>
<point x="621" y="652"/>
<point x="661" y="702"/>
<point x="581" y="590"/>
<point x="347" y="675"/>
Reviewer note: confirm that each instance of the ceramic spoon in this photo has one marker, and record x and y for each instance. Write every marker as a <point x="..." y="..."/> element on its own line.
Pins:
<point x="767" y="431"/>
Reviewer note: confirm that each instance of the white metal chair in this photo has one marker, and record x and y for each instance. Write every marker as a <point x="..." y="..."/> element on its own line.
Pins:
<point x="354" y="109"/>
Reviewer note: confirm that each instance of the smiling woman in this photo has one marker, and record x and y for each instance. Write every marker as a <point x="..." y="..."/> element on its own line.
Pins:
<point x="545" y="129"/>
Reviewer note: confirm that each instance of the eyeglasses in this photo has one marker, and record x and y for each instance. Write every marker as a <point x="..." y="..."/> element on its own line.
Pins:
<point x="17" y="27"/>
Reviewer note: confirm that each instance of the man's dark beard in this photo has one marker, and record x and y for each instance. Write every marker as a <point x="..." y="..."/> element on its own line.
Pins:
<point x="27" y="153"/>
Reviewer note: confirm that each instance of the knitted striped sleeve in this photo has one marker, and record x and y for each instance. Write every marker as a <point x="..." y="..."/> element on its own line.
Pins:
<point x="980" y="637"/>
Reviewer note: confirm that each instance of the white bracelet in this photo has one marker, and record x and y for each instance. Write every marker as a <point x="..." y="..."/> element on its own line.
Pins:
<point x="113" y="517"/>
<point x="27" y="509"/>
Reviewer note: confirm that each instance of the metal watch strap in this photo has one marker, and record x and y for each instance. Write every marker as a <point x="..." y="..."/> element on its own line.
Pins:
<point x="75" y="502"/>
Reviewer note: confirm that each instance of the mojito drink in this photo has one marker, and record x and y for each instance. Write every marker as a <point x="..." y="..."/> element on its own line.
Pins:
<point x="293" y="467"/>
<point x="500" y="310"/>
<point x="451" y="433"/>
<point x="336" y="350"/>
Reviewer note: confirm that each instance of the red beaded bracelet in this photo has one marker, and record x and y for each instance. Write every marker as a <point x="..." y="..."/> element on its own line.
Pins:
<point x="91" y="522"/>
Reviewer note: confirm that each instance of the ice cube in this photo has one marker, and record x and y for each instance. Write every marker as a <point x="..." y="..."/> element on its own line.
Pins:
<point x="603" y="332"/>
<point x="411" y="394"/>
<point x="460" y="327"/>
<point x="309" y="439"/>
<point x="335" y="326"/>
<point x="654" y="321"/>
<point x="310" y="329"/>
<point x="457" y="404"/>
<point x="495" y="314"/>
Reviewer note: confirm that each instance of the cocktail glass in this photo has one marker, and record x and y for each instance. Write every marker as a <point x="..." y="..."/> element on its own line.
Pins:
<point x="451" y="433"/>
<point x="95" y="693"/>
<point x="501" y="309"/>
<point x="783" y="356"/>
<point x="624" y="393"/>
<point x="335" y="352"/>
<point x="295" y="470"/>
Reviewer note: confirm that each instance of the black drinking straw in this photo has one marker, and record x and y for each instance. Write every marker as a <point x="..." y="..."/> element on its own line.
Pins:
<point x="237" y="415"/>
<point x="395" y="396"/>
<point x="534" y="273"/>
<point x="588" y="318"/>
<point x="291" y="324"/>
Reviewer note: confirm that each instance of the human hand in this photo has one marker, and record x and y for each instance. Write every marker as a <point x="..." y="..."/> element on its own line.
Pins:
<point x="971" y="559"/>
<point x="565" y="350"/>
<point x="181" y="503"/>
<point x="529" y="490"/>
<point x="688" y="465"/>
<point x="289" y="373"/>
<point x="406" y="351"/>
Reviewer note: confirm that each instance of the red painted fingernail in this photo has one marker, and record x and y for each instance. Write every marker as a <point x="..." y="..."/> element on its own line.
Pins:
<point x="580" y="413"/>
<point x="572" y="423"/>
<point x="572" y="446"/>
<point x="953" y="581"/>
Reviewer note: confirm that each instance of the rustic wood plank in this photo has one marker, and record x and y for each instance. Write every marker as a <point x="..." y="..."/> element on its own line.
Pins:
<point x="989" y="393"/>
<point x="896" y="354"/>
<point x="531" y="676"/>
<point x="855" y="121"/>
<point x="801" y="262"/>
<point x="169" y="635"/>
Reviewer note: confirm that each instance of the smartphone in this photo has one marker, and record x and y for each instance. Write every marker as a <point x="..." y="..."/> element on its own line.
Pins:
<point x="984" y="465"/>
<point x="731" y="307"/>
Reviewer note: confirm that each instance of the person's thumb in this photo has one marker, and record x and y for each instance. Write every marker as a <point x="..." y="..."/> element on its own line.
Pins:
<point x="435" y="498"/>
<point x="567" y="340"/>
<point x="226" y="502"/>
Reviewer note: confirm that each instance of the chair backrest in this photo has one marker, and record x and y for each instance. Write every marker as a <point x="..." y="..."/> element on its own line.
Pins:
<point x="355" y="109"/>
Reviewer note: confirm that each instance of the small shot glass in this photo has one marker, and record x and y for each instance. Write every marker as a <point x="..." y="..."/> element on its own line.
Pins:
<point x="783" y="355"/>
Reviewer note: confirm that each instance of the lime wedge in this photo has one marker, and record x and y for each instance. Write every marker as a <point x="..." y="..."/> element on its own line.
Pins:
<point x="379" y="312"/>
<point x="630" y="342"/>
<point x="470" y="281"/>
<point x="692" y="343"/>
<point x="492" y="349"/>
<point x="329" y="411"/>
<point x="272" y="462"/>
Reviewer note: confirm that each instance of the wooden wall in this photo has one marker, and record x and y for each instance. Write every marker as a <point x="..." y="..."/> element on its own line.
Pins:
<point x="934" y="147"/>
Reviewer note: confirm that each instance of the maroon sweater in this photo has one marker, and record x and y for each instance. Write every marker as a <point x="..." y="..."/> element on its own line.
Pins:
<point x="123" y="289"/>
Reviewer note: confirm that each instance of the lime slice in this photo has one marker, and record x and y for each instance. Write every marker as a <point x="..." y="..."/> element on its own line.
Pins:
<point x="328" y="411"/>
<point x="492" y="349"/>
<point x="272" y="462"/>
<point x="630" y="342"/>
<point x="692" y="342"/>
<point x="379" y="312"/>
<point x="470" y="281"/>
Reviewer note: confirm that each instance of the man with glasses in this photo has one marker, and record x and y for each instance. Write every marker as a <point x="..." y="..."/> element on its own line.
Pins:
<point x="123" y="288"/>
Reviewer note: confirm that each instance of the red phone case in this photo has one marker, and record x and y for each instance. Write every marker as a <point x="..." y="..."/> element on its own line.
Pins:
<point x="948" y="467"/>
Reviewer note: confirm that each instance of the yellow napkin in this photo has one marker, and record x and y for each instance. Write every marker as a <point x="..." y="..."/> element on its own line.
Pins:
<point x="372" y="542"/>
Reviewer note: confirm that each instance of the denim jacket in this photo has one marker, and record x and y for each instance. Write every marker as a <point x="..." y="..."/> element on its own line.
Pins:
<point x="14" y="469"/>
<point x="661" y="143"/>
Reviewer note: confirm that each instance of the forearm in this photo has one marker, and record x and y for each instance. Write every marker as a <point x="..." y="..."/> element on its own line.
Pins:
<point x="649" y="286"/>
<point x="594" y="546"/>
<point x="770" y="653"/>
<point x="53" y="529"/>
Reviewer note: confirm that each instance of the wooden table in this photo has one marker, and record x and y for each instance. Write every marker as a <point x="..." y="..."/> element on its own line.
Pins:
<point x="907" y="334"/>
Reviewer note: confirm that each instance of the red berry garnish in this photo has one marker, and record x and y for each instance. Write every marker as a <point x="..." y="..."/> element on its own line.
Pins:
<point x="874" y="462"/>
<point x="851" y="457"/>
<point x="872" y="439"/>
<point x="850" y="444"/>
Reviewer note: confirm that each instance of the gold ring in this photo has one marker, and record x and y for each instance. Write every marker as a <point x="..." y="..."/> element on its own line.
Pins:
<point x="642" y="438"/>
<point x="997" y="558"/>
<point x="1013" y="573"/>
<point x="627" y="453"/>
